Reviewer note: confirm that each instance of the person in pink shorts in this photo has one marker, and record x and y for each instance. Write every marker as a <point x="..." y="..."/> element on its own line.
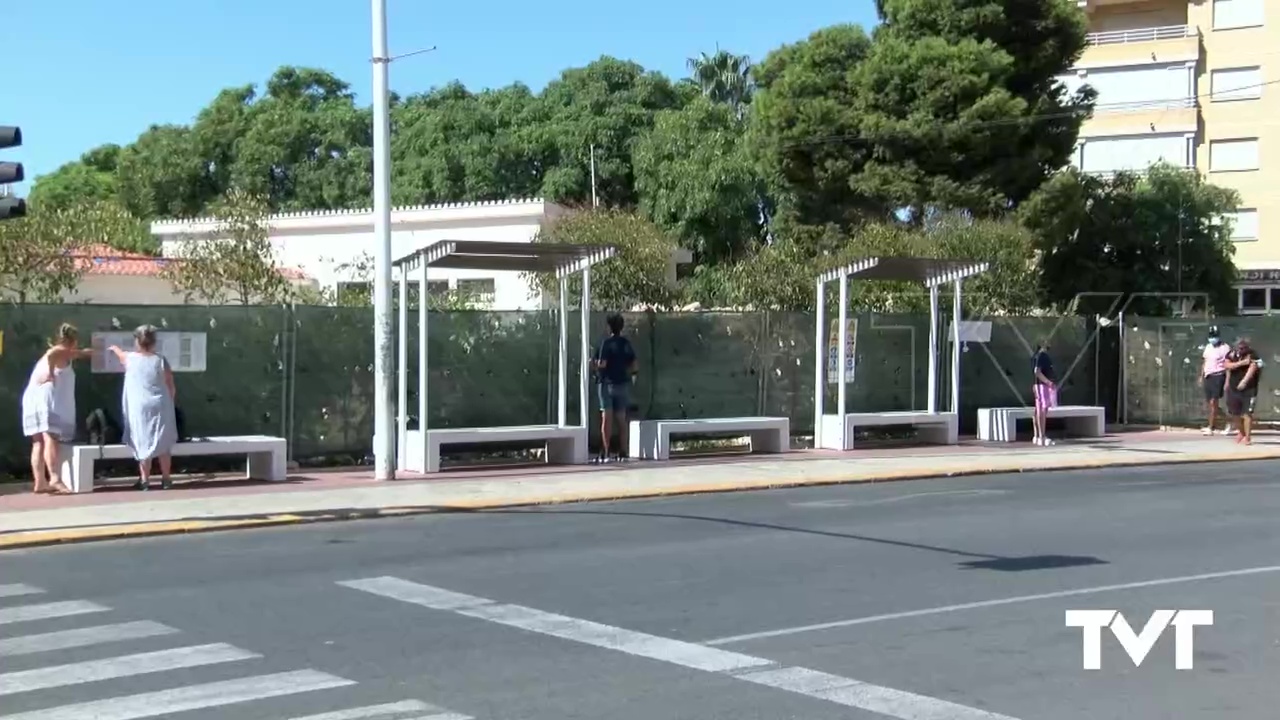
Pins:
<point x="1044" y="390"/>
<point x="1213" y="378"/>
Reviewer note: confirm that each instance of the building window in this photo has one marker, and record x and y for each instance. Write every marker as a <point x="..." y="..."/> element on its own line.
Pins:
<point x="1233" y="155"/>
<point x="481" y="290"/>
<point x="1133" y="153"/>
<point x="1243" y="83"/>
<point x="1228" y="14"/>
<point x="1253" y="300"/>
<point x="437" y="288"/>
<point x="1244" y="224"/>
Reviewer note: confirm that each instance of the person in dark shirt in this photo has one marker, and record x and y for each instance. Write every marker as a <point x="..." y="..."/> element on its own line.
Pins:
<point x="615" y="365"/>
<point x="1244" y="372"/>
<point x="1045" y="391"/>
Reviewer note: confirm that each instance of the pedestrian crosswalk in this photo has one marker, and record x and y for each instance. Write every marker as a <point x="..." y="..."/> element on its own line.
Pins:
<point x="80" y="662"/>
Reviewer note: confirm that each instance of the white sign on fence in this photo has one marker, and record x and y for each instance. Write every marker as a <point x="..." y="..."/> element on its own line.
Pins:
<point x="186" y="352"/>
<point x="833" y="351"/>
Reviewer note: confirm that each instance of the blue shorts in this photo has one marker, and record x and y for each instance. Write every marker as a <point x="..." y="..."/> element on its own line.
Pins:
<point x="614" y="398"/>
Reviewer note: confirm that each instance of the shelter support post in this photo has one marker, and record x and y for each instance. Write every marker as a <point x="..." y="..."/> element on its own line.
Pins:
<point x="933" y="349"/>
<point x="584" y="379"/>
<point x="955" y="349"/>
<point x="562" y="364"/>
<point x="819" y="361"/>
<point x="423" y="302"/>
<point x="402" y="373"/>
<point x="842" y="351"/>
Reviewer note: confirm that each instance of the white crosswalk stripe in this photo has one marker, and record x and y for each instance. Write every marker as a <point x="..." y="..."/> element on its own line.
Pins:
<point x="118" y="667"/>
<point x="190" y="697"/>
<point x="386" y="710"/>
<point x="88" y="678"/>
<point x="18" y="589"/>
<point x="82" y="637"/>
<point x="760" y="671"/>
<point x="45" y="611"/>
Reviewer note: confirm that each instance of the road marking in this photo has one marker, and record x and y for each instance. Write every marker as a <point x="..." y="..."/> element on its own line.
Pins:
<point x="191" y="697"/>
<point x="395" y="708"/>
<point x="803" y="681"/>
<point x="118" y="667"/>
<point x="989" y="603"/>
<point x="80" y="637"/>
<point x="896" y="498"/>
<point x="23" y="613"/>
<point x="18" y="589"/>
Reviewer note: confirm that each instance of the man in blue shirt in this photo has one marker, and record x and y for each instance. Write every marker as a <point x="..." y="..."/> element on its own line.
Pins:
<point x="615" y="365"/>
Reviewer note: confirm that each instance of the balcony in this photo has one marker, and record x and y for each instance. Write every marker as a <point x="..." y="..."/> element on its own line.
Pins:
<point x="1140" y="118"/>
<point x="1169" y="43"/>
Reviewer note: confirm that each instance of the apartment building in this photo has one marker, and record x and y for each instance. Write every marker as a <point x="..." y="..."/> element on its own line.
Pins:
<point x="1195" y="83"/>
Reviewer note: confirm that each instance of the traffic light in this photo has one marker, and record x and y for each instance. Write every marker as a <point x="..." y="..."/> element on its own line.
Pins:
<point x="11" y="172"/>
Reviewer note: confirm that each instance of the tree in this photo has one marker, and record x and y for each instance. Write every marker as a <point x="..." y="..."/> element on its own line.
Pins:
<point x="236" y="262"/>
<point x="1131" y="236"/>
<point x="608" y="104"/>
<point x="802" y="129"/>
<point x="44" y="255"/>
<point x="724" y="78"/>
<point x="960" y="101"/>
<point x="637" y="276"/>
<point x="695" y="178"/>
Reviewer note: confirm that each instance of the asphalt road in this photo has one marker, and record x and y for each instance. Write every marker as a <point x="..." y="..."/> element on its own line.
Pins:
<point x="928" y="600"/>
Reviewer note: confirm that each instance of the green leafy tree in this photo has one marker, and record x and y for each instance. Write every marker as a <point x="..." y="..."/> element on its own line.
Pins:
<point x="609" y="104"/>
<point x="640" y="273"/>
<point x="804" y="131"/>
<point x="236" y="262"/>
<point x="695" y="178"/>
<point x="960" y="101"/>
<point x="1160" y="232"/>
<point x="44" y="255"/>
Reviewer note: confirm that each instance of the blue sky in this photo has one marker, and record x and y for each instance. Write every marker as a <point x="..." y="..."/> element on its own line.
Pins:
<point x="80" y="73"/>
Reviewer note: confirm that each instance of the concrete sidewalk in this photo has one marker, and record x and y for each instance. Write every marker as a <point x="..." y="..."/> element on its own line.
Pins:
<point x="195" y="506"/>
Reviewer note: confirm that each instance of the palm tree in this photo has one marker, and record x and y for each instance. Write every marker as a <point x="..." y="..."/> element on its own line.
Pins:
<point x="724" y="77"/>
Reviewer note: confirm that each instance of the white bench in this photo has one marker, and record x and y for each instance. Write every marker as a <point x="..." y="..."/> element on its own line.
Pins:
<point x="939" y="428"/>
<point x="565" y="445"/>
<point x="268" y="457"/>
<point x="651" y="439"/>
<point x="1001" y="424"/>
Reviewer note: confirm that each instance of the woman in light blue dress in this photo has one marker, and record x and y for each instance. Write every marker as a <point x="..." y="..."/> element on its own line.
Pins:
<point x="150" y="422"/>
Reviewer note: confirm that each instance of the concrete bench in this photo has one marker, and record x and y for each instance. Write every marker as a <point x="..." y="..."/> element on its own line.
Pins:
<point x="268" y="457"/>
<point x="651" y="439"/>
<point x="1001" y="424"/>
<point x="565" y="445"/>
<point x="939" y="428"/>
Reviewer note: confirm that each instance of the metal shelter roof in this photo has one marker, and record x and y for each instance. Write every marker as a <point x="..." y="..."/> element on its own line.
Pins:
<point x="926" y="271"/>
<point x="563" y="260"/>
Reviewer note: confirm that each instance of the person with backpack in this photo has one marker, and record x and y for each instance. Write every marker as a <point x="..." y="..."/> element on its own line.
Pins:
<point x="615" y="365"/>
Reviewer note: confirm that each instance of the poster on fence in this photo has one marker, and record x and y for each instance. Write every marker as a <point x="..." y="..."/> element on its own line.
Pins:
<point x="833" y="351"/>
<point x="184" y="351"/>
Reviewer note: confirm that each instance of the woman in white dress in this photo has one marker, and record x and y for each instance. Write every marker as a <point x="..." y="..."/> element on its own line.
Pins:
<point x="49" y="407"/>
<point x="150" y="420"/>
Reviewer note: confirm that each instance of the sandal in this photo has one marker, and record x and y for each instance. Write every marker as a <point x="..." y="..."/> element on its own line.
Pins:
<point x="57" y="488"/>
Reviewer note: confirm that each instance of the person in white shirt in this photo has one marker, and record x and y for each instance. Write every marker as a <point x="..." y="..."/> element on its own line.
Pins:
<point x="1213" y="378"/>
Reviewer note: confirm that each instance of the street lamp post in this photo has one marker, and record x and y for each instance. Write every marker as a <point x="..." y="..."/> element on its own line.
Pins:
<point x="384" y="409"/>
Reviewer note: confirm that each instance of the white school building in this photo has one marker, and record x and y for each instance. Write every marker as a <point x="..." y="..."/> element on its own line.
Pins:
<point x="335" y="248"/>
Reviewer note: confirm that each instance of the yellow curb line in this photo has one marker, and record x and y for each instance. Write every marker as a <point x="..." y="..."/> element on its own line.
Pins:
<point x="36" y="538"/>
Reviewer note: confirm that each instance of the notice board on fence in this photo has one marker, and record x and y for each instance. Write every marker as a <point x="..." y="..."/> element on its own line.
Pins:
<point x="186" y="352"/>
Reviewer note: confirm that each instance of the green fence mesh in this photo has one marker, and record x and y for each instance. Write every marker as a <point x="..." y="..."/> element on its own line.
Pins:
<point x="307" y="372"/>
